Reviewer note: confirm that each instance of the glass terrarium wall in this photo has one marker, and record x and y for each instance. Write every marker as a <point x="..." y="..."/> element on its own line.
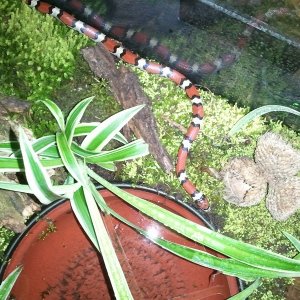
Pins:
<point x="264" y="36"/>
<point x="245" y="50"/>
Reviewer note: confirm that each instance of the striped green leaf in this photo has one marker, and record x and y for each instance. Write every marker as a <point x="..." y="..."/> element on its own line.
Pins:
<point x="88" y="215"/>
<point x="132" y="150"/>
<point x="111" y="261"/>
<point x="45" y="146"/>
<point x="80" y="209"/>
<point x="66" y="190"/>
<point x="227" y="266"/>
<point x="9" y="147"/>
<point x="7" y="285"/>
<point x="246" y="292"/>
<point x="259" y="112"/>
<point x="16" y="187"/>
<point x="99" y="199"/>
<point x="36" y="175"/>
<point x="100" y="136"/>
<point x="120" y="138"/>
<point x="39" y="145"/>
<point x="74" y="118"/>
<point x="295" y="242"/>
<point x="83" y="153"/>
<point x="56" y="112"/>
<point x="243" y="252"/>
<point x="109" y="166"/>
<point x="78" y="150"/>
<point x="86" y="128"/>
<point x="68" y="158"/>
<point x="50" y="152"/>
<point x="43" y="143"/>
<point x="10" y="164"/>
<point x="62" y="190"/>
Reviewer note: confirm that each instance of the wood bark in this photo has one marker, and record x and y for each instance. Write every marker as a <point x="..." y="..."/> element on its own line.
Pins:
<point x="127" y="90"/>
<point x="15" y="208"/>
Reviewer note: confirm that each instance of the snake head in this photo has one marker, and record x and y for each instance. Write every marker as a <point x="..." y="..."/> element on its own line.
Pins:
<point x="203" y="204"/>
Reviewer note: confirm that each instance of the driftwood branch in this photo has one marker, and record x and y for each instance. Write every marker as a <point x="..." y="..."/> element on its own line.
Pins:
<point x="127" y="91"/>
<point x="15" y="208"/>
<point x="10" y="104"/>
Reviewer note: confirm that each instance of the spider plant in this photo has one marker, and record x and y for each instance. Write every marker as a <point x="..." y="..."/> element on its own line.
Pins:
<point x="7" y="285"/>
<point x="35" y="157"/>
<point x="244" y="121"/>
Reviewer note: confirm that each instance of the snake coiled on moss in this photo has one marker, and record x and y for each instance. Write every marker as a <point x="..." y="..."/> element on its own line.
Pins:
<point x="129" y="57"/>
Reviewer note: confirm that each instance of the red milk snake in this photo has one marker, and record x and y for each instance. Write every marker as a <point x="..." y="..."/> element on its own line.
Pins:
<point x="153" y="68"/>
<point x="141" y="40"/>
<point x="122" y="33"/>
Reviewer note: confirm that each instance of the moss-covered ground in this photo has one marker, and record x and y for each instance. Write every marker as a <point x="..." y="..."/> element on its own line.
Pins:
<point x="46" y="64"/>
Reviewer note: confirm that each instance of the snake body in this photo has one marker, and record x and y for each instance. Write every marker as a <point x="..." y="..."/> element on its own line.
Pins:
<point x="153" y="68"/>
<point x="96" y="29"/>
<point x="142" y="40"/>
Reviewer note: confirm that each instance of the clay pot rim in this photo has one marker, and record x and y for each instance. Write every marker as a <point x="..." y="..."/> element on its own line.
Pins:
<point x="47" y="208"/>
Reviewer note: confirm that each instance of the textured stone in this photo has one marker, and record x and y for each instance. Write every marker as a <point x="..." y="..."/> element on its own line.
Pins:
<point x="294" y="290"/>
<point x="15" y="208"/>
<point x="245" y="184"/>
<point x="276" y="157"/>
<point x="283" y="198"/>
<point x="276" y="165"/>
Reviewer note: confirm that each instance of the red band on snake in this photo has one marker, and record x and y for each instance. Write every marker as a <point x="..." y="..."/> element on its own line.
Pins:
<point x="154" y="68"/>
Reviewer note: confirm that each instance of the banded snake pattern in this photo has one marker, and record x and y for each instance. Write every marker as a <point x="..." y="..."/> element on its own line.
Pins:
<point x="116" y="48"/>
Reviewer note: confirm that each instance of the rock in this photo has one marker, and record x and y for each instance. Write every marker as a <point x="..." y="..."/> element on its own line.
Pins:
<point x="294" y="290"/>
<point x="283" y="198"/>
<point x="245" y="184"/>
<point x="15" y="208"/>
<point x="276" y="165"/>
<point x="276" y="157"/>
<point x="11" y="104"/>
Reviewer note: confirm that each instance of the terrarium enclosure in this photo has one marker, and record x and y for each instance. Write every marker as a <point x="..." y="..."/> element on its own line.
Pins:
<point x="241" y="55"/>
<point x="247" y="51"/>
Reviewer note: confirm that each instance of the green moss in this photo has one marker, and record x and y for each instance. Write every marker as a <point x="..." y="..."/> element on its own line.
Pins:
<point x="82" y="84"/>
<point x="170" y="105"/>
<point x="51" y="228"/>
<point x="41" y="121"/>
<point x="37" y="53"/>
<point x="272" y="289"/>
<point x="7" y="8"/>
<point x="213" y="150"/>
<point x="5" y="237"/>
